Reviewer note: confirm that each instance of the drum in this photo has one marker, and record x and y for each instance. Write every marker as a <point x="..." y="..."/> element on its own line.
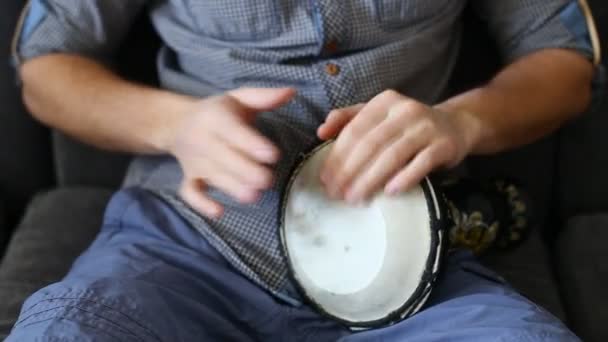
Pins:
<point x="366" y="266"/>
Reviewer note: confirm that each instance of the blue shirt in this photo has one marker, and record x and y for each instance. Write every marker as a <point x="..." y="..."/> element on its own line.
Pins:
<point x="336" y="53"/>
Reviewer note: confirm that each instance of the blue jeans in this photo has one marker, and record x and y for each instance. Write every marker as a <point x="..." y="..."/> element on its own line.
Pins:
<point x="150" y="277"/>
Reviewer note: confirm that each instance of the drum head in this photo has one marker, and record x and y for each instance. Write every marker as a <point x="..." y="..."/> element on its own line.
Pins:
<point x="362" y="265"/>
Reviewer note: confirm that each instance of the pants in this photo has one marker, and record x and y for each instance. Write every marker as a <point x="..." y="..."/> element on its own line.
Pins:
<point x="150" y="277"/>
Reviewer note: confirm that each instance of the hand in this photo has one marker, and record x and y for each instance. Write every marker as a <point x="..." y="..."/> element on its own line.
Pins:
<point x="216" y="145"/>
<point x="392" y="142"/>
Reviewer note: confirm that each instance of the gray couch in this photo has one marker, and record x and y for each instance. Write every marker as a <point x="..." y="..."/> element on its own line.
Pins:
<point x="55" y="191"/>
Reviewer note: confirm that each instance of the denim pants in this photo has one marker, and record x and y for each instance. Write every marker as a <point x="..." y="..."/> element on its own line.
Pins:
<point x="149" y="276"/>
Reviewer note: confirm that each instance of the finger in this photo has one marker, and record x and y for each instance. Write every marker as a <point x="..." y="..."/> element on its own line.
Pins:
<point x="226" y="181"/>
<point x="192" y="192"/>
<point x="367" y="150"/>
<point x="248" y="141"/>
<point x="337" y="120"/>
<point x="240" y="166"/>
<point x="370" y="115"/>
<point x="421" y="166"/>
<point x="262" y="99"/>
<point x="386" y="166"/>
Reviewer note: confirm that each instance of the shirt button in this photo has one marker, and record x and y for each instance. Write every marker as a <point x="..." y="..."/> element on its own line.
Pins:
<point x="332" y="69"/>
<point x="331" y="46"/>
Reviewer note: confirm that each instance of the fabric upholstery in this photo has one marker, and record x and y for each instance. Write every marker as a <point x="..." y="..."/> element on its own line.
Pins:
<point x="581" y="257"/>
<point x="583" y="165"/>
<point x="528" y="269"/>
<point x="25" y="159"/>
<point x="77" y="164"/>
<point x="56" y="228"/>
<point x="4" y="227"/>
<point x="532" y="166"/>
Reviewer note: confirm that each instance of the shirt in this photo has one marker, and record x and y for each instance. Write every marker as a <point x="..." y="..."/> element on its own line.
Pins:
<point x="336" y="53"/>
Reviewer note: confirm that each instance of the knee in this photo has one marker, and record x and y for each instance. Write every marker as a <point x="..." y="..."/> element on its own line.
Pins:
<point x="61" y="312"/>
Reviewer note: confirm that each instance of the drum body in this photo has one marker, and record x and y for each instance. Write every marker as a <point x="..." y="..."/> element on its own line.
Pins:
<point x="366" y="266"/>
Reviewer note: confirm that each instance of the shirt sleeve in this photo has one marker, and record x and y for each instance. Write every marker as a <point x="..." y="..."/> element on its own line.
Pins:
<point x="92" y="28"/>
<point x="524" y="26"/>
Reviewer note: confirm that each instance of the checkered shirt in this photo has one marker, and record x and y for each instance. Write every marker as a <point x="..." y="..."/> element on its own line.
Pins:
<point x="211" y="46"/>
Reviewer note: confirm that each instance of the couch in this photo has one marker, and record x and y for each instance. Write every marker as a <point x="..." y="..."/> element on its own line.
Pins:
<point x="54" y="190"/>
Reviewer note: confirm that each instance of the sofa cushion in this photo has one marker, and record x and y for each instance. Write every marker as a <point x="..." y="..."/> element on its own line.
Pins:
<point x="582" y="267"/>
<point x="57" y="227"/>
<point x="528" y="269"/>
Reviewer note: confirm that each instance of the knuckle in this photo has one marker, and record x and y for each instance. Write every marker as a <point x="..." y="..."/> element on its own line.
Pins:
<point x="353" y="132"/>
<point x="417" y="106"/>
<point x="425" y="163"/>
<point x="448" y="145"/>
<point x="336" y="113"/>
<point x="400" y="111"/>
<point x="370" y="146"/>
<point x="373" y="144"/>
<point x="407" y="109"/>
<point x="264" y="179"/>
<point x="394" y="156"/>
<point x="427" y="125"/>
<point x="390" y="94"/>
<point x="376" y="143"/>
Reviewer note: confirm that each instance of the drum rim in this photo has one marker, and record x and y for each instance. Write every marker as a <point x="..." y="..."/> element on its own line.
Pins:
<point x="433" y="264"/>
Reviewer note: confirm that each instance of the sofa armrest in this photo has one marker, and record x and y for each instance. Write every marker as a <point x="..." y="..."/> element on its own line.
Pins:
<point x="57" y="227"/>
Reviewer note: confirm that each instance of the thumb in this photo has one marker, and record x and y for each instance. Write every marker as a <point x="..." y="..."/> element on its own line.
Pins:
<point x="262" y="99"/>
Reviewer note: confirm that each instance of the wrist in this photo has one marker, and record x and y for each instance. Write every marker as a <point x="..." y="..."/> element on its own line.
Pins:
<point x="469" y="125"/>
<point x="173" y="110"/>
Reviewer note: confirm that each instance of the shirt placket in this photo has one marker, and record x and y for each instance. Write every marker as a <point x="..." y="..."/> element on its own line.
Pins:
<point x="334" y="72"/>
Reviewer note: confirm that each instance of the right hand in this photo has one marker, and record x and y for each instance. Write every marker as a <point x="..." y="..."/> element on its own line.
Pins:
<point x="217" y="146"/>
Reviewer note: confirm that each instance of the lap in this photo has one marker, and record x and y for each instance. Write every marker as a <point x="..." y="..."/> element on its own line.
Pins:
<point x="472" y="303"/>
<point x="150" y="277"/>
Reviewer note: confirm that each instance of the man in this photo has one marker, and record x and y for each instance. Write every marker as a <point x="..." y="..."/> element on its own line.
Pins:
<point x="188" y="250"/>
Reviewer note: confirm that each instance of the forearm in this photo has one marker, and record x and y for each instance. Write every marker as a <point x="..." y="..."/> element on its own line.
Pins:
<point x="86" y="100"/>
<point x="527" y="100"/>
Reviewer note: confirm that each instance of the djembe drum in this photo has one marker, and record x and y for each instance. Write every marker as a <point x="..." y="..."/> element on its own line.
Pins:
<point x="366" y="266"/>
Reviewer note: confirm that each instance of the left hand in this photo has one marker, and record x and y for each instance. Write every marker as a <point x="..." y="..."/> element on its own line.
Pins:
<point x="393" y="142"/>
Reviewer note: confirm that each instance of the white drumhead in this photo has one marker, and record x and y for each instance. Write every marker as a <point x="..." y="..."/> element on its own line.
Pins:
<point x="358" y="264"/>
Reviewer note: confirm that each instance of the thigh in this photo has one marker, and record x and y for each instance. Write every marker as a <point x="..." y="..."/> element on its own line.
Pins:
<point x="149" y="276"/>
<point x="472" y="303"/>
